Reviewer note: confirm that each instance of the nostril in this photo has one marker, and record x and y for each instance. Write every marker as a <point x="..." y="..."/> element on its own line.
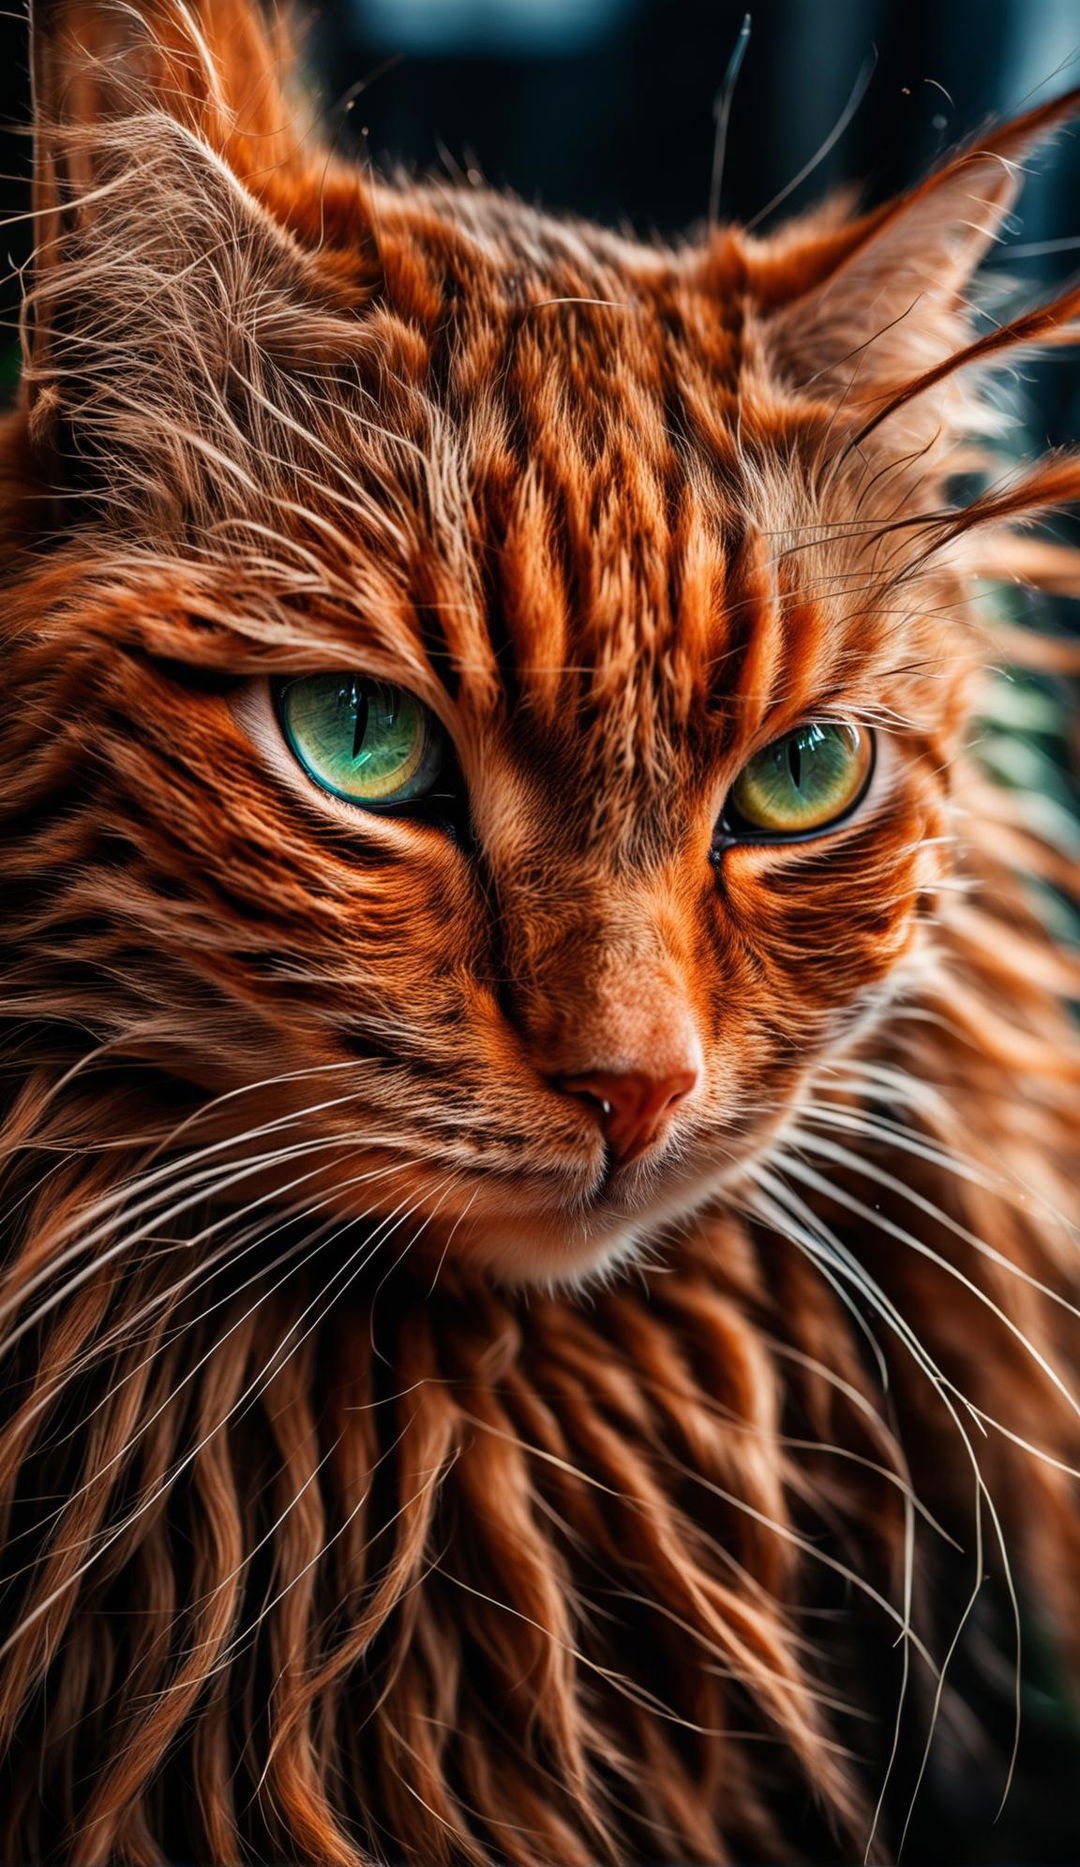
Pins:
<point x="604" y="1109"/>
<point x="630" y="1105"/>
<point x="680" y="1092"/>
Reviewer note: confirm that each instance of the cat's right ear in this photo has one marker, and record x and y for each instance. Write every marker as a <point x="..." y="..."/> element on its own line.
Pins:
<point x="98" y="67"/>
<point x="221" y="69"/>
<point x="178" y="286"/>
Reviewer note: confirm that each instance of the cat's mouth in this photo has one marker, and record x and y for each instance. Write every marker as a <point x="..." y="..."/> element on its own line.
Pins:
<point x="561" y="1235"/>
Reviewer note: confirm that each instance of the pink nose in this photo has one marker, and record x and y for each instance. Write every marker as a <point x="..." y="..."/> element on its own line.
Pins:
<point x="630" y="1105"/>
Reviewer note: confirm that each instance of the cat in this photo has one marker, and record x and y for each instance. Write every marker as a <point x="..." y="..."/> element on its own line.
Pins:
<point x="538" y="1309"/>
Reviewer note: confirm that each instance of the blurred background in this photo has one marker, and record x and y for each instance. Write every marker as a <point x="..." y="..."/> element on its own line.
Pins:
<point x="606" y="108"/>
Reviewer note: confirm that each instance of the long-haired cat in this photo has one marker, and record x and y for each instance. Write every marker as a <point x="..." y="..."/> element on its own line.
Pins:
<point x="540" y="1111"/>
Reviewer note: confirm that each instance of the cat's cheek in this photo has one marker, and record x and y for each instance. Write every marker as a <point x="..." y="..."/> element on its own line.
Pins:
<point x="837" y="933"/>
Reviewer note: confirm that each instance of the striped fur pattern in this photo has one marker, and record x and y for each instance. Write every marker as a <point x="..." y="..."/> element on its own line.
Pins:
<point x="384" y="1477"/>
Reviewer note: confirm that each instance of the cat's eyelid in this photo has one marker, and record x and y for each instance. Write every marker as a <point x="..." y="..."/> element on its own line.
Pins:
<point x="809" y="716"/>
<point x="430" y="692"/>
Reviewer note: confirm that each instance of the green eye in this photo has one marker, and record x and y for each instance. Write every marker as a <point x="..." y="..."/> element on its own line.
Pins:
<point x="360" y="739"/>
<point x="803" y="782"/>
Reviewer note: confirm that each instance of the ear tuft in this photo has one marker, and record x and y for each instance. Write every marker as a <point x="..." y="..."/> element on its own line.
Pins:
<point x="220" y="67"/>
<point x="174" y="314"/>
<point x="883" y="300"/>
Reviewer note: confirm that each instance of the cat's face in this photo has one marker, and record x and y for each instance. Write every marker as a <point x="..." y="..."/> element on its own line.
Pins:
<point x="610" y="598"/>
<point x="565" y="544"/>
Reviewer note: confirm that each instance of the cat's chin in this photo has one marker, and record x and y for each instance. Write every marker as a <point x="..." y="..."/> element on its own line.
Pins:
<point x="557" y="1254"/>
<point x="560" y="1250"/>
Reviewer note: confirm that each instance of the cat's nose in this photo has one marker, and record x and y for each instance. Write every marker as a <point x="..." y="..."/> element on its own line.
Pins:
<point x="631" y="1106"/>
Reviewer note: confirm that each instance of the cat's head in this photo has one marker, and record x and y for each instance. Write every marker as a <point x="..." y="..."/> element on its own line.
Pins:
<point x="487" y="692"/>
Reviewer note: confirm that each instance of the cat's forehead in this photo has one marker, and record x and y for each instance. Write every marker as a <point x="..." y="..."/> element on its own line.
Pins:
<point x="591" y="332"/>
<point x="616" y="515"/>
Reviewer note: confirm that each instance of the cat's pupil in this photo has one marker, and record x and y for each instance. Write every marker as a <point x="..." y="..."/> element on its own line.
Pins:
<point x="360" y="709"/>
<point x="795" y="760"/>
<point x="359" y="699"/>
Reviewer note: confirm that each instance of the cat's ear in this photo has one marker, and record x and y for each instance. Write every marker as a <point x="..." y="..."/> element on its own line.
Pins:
<point x="219" y="67"/>
<point x="173" y="280"/>
<point x="880" y="300"/>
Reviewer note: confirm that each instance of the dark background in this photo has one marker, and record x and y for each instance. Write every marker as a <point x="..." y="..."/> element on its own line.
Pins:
<point x="605" y="107"/>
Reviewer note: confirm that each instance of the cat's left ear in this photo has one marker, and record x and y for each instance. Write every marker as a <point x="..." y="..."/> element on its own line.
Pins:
<point x="881" y="299"/>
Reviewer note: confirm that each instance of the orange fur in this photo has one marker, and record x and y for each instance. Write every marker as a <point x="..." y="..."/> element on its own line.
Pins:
<point x="381" y="1482"/>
